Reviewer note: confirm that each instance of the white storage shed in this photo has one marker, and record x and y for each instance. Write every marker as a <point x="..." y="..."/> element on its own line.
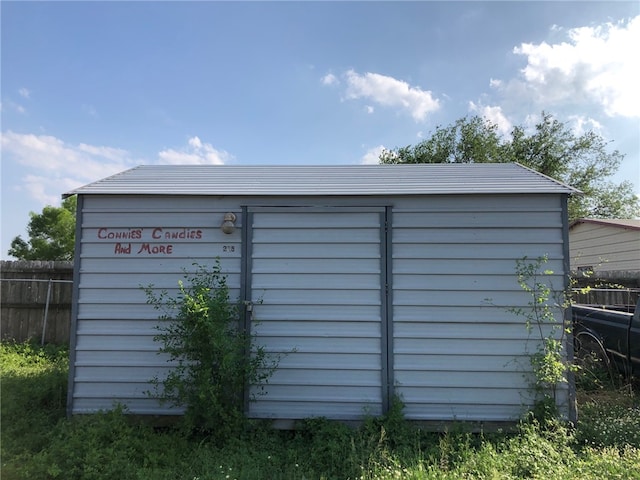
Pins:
<point x="375" y="277"/>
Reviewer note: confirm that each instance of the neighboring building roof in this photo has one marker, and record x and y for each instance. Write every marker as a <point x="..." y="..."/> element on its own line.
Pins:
<point x="627" y="223"/>
<point x="419" y="179"/>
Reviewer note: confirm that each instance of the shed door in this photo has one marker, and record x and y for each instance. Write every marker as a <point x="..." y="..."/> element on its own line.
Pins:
<point x="315" y="277"/>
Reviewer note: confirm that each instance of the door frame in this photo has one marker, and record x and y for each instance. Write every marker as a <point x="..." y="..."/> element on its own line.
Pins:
<point x="386" y="287"/>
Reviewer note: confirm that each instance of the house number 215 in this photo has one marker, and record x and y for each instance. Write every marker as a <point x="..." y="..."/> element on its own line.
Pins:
<point x="228" y="248"/>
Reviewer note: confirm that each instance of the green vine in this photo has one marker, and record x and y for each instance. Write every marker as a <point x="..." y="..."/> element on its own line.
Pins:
<point x="549" y="363"/>
<point x="214" y="359"/>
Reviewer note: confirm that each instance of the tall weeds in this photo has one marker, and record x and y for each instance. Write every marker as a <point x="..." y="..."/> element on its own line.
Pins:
<point x="39" y="442"/>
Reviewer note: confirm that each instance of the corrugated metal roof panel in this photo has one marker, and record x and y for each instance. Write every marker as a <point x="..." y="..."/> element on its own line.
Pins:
<point x="424" y="179"/>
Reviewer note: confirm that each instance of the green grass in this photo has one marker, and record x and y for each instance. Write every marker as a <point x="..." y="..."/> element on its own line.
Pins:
<point x="39" y="442"/>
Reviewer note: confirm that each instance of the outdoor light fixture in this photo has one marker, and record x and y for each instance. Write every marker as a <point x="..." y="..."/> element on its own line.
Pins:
<point x="229" y="223"/>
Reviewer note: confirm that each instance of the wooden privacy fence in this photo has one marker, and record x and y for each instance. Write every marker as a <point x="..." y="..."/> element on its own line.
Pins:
<point x="621" y="298"/>
<point x="35" y="300"/>
<point x="620" y="289"/>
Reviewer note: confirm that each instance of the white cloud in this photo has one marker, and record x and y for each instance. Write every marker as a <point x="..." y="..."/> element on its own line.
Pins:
<point x="494" y="114"/>
<point x="597" y="64"/>
<point x="173" y="157"/>
<point x="330" y="79"/>
<point x="582" y="124"/>
<point x="390" y="92"/>
<point x="579" y="124"/>
<point x="110" y="153"/>
<point x="8" y="105"/>
<point x="195" y="143"/>
<point x="35" y="187"/>
<point x="25" y="93"/>
<point x="372" y="157"/>
<point x="46" y="153"/>
<point x="195" y="153"/>
<point x="51" y="166"/>
<point x="39" y="188"/>
<point x="530" y="122"/>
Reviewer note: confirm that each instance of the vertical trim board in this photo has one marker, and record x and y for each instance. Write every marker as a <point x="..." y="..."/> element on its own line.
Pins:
<point x="73" y="329"/>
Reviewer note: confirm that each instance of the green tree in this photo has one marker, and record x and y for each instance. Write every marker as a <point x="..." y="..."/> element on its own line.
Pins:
<point x="550" y="148"/>
<point x="51" y="234"/>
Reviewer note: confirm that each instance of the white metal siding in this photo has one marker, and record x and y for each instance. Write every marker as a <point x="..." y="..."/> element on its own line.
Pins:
<point x="115" y="353"/>
<point x="457" y="353"/>
<point x="316" y="283"/>
<point x="315" y="276"/>
<point x="604" y="247"/>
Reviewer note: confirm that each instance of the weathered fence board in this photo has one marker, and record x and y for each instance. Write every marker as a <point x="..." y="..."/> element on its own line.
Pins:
<point x="32" y="292"/>
<point x="616" y="288"/>
<point x="620" y="298"/>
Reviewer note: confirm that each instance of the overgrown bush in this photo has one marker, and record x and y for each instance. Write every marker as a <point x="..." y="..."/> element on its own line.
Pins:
<point x="215" y="357"/>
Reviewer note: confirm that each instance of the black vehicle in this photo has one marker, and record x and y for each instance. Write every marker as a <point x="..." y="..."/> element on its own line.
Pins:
<point x="610" y="335"/>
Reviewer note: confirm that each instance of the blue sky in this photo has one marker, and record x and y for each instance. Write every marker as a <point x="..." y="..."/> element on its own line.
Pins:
<point x="89" y="89"/>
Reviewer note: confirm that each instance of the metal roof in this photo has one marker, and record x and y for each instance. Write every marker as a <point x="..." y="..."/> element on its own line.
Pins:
<point x="422" y="179"/>
<point x="625" y="223"/>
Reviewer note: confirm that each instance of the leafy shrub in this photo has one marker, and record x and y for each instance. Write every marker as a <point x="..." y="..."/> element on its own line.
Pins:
<point x="215" y="357"/>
